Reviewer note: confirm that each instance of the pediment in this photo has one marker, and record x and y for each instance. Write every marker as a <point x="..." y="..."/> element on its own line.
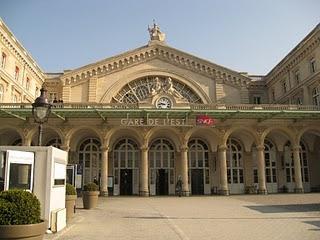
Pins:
<point x="156" y="51"/>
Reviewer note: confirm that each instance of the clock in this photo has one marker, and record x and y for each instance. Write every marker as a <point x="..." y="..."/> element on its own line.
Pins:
<point x="163" y="103"/>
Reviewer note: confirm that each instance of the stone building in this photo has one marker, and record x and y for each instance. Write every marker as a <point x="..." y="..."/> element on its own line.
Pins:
<point x="140" y="120"/>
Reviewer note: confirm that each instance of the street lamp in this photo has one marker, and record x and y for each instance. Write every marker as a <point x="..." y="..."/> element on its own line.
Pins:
<point x="40" y="111"/>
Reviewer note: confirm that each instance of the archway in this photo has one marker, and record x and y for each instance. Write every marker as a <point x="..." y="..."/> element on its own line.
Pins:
<point x="126" y="156"/>
<point x="198" y="162"/>
<point x="162" y="167"/>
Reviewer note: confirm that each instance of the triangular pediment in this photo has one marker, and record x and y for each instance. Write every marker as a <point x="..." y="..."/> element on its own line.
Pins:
<point x="156" y="51"/>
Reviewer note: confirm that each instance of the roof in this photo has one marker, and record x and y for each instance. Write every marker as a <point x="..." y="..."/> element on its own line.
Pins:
<point x="217" y="111"/>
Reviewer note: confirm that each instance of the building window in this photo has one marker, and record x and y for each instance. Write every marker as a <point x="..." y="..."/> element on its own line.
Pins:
<point x="299" y="101"/>
<point x="36" y="91"/>
<point x="316" y="96"/>
<point x="125" y="156"/>
<point x="161" y="156"/>
<point x="289" y="162"/>
<point x="90" y="159"/>
<point x="28" y="84"/>
<point x="284" y="86"/>
<point x="313" y="66"/>
<point x="198" y="155"/>
<point x="1" y="93"/>
<point x="297" y="77"/>
<point x="256" y="100"/>
<point x="273" y="95"/>
<point x="235" y="170"/>
<point x="16" y="73"/>
<point x="14" y="99"/>
<point x="3" y="60"/>
<point x="255" y="176"/>
<point x="55" y="142"/>
<point x="270" y="161"/>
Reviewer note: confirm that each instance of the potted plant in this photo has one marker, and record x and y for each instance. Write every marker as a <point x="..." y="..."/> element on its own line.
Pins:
<point x="90" y="195"/>
<point x="20" y="216"/>
<point x="71" y="197"/>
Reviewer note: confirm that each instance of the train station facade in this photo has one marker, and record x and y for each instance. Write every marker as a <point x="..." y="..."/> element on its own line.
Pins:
<point x="141" y="120"/>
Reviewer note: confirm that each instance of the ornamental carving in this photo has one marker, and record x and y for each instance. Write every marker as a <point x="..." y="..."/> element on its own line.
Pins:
<point x="144" y="88"/>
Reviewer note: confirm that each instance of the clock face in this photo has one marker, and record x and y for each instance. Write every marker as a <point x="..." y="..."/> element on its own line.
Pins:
<point x="163" y="102"/>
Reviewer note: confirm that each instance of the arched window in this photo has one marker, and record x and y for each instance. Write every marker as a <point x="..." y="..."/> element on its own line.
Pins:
<point x="126" y="156"/>
<point x="234" y="162"/>
<point x="1" y="93"/>
<point x="28" y="84"/>
<point x="198" y="154"/>
<point x="304" y="162"/>
<point x="270" y="161"/>
<point x="316" y="96"/>
<point x="140" y="89"/>
<point x="289" y="163"/>
<point x="90" y="159"/>
<point x="16" y="73"/>
<point x="14" y="98"/>
<point x="3" y="60"/>
<point x="55" y="142"/>
<point x="199" y="174"/>
<point x="17" y="142"/>
<point x="161" y="156"/>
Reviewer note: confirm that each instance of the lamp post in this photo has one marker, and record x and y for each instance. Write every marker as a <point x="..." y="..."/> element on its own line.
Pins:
<point x="40" y="111"/>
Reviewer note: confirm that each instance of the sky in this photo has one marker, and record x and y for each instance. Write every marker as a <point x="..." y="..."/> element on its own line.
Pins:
<point x="243" y="35"/>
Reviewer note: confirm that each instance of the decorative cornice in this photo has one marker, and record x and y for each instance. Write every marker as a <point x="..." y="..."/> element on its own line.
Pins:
<point x="299" y="53"/>
<point x="147" y="53"/>
<point x="16" y="48"/>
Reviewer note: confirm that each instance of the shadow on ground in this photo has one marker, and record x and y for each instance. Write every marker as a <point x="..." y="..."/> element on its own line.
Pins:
<point x="314" y="223"/>
<point x="313" y="207"/>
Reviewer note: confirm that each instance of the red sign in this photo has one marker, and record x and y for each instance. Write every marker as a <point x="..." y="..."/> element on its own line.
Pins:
<point x="204" y="120"/>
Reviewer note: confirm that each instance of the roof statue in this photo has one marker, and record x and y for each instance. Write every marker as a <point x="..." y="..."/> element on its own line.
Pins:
<point x="155" y="33"/>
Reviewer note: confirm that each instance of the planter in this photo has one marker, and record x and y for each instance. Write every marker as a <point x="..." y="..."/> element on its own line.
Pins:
<point x="28" y="231"/>
<point x="90" y="199"/>
<point x="70" y="205"/>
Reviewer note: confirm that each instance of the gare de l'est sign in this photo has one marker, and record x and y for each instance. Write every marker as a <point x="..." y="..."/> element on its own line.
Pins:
<point x="201" y="120"/>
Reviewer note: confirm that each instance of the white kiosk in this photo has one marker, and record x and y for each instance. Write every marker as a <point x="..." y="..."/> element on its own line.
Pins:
<point x="41" y="170"/>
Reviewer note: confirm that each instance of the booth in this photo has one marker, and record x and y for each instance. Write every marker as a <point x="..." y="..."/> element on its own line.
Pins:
<point x="42" y="171"/>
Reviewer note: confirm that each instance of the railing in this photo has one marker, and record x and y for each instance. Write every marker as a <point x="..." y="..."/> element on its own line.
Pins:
<point x="254" y="107"/>
<point x="216" y="106"/>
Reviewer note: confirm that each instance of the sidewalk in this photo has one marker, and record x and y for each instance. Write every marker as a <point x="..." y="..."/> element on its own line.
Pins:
<point x="281" y="216"/>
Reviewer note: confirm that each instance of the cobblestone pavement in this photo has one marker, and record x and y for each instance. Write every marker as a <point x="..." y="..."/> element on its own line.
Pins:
<point x="282" y="216"/>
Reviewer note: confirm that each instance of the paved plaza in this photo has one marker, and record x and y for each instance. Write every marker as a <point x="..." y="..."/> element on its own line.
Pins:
<point x="281" y="216"/>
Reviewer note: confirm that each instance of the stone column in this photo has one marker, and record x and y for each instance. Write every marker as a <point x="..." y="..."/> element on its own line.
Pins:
<point x="222" y="158"/>
<point x="104" y="172"/>
<point x="261" y="170"/>
<point x="184" y="170"/>
<point x="144" y="173"/>
<point x="297" y="169"/>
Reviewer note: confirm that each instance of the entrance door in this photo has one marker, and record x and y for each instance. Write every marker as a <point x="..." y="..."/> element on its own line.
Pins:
<point x="162" y="182"/>
<point x="125" y="181"/>
<point x="197" y="187"/>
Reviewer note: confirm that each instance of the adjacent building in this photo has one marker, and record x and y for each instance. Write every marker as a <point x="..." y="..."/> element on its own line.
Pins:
<point x="141" y="120"/>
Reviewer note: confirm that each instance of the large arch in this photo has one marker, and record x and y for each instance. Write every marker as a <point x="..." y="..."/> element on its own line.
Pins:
<point x="9" y="135"/>
<point x="170" y="133"/>
<point x="211" y="136"/>
<point x="76" y="134"/>
<point x="310" y="136"/>
<point x="115" y="88"/>
<point x="49" y="133"/>
<point x="116" y="133"/>
<point x="248" y="136"/>
<point x="125" y="165"/>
